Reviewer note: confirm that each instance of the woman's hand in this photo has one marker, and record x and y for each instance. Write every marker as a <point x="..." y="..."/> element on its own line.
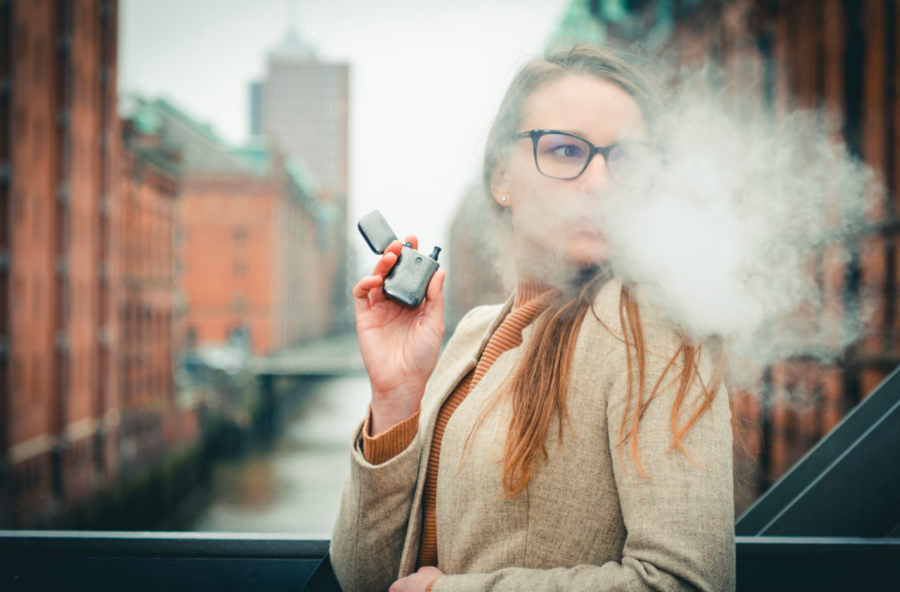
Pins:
<point x="399" y="346"/>
<point x="416" y="582"/>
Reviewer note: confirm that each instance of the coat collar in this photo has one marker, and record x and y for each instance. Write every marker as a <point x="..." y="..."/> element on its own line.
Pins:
<point x="460" y="359"/>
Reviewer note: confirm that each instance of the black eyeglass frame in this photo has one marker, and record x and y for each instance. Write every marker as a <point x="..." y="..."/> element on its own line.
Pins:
<point x="536" y="135"/>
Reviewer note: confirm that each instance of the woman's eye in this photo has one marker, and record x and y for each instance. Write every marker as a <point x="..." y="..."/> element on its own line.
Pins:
<point x="629" y="156"/>
<point x="568" y="151"/>
<point x="620" y="156"/>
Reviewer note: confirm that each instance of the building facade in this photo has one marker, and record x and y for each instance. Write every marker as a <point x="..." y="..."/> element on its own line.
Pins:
<point x="58" y="278"/>
<point x="301" y="105"/>
<point x="256" y="247"/>
<point x="151" y="422"/>
<point x="86" y="270"/>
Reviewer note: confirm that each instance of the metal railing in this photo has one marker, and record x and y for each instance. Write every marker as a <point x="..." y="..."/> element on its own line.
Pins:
<point x="139" y="562"/>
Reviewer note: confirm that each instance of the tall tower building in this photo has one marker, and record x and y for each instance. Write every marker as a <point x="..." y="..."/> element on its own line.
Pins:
<point x="301" y="105"/>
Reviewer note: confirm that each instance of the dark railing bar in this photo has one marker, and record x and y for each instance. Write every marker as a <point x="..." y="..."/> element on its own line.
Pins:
<point x="785" y="548"/>
<point x="161" y="544"/>
<point x="215" y="544"/>
<point x="822" y="459"/>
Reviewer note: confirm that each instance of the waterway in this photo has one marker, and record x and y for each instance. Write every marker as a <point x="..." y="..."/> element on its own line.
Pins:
<point x="293" y="485"/>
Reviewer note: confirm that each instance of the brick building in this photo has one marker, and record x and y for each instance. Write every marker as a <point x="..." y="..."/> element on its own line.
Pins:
<point x="151" y="334"/>
<point x="58" y="170"/>
<point x="774" y="56"/>
<point x="258" y="243"/>
<point x="86" y="269"/>
<point x="473" y="278"/>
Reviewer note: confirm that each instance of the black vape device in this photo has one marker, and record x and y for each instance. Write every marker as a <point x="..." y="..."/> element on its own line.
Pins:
<point x="407" y="281"/>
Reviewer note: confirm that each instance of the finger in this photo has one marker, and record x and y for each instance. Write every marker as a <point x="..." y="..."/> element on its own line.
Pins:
<point x="435" y="291"/>
<point x="376" y="295"/>
<point x="395" y="247"/>
<point x="361" y="292"/>
<point x="434" y="297"/>
<point x="385" y="263"/>
<point x="411" y="238"/>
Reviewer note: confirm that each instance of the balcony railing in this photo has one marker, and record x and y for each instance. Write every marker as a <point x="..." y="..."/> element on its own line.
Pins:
<point x="145" y="562"/>
<point x="835" y="518"/>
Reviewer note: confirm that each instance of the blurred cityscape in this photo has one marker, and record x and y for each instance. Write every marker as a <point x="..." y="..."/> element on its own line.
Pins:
<point x="169" y="300"/>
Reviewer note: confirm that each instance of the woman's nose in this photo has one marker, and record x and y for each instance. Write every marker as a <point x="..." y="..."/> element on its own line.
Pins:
<point x="595" y="178"/>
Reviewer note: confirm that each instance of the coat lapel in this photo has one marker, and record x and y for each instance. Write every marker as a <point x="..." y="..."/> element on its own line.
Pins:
<point x="462" y="359"/>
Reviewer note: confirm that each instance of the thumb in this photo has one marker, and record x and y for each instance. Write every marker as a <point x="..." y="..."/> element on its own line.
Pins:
<point x="434" y="298"/>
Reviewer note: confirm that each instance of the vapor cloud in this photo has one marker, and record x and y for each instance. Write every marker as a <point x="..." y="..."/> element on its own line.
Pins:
<point x="728" y="238"/>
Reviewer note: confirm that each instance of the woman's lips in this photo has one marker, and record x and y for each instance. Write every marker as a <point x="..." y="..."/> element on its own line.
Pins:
<point x="588" y="230"/>
<point x="585" y="225"/>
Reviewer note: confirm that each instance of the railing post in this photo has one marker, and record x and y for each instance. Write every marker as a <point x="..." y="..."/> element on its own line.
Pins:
<point x="269" y="405"/>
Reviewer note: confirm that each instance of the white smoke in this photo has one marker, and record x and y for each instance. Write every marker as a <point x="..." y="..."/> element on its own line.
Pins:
<point x="727" y="239"/>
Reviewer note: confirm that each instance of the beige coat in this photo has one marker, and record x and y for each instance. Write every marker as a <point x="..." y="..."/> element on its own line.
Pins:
<point x="585" y="522"/>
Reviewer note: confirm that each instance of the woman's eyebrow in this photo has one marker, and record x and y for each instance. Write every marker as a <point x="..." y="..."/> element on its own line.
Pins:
<point x="570" y="131"/>
<point x="628" y="137"/>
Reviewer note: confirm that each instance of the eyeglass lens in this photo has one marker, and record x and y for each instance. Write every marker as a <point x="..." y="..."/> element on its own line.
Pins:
<point x="564" y="157"/>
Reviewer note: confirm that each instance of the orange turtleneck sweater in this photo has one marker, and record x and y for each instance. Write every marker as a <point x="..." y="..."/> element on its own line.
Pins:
<point x="529" y="301"/>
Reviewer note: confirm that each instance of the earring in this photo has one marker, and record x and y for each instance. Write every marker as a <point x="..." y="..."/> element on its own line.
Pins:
<point x="502" y="198"/>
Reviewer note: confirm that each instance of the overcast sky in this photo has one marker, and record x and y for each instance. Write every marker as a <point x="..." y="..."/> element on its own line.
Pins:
<point x="435" y="70"/>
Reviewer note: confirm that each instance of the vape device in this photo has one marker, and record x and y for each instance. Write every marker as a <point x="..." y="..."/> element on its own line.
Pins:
<point x="407" y="281"/>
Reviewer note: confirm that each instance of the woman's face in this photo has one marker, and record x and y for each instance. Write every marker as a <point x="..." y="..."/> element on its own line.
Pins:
<point x="562" y="219"/>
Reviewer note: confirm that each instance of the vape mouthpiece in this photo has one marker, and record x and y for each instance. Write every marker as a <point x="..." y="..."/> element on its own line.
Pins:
<point x="435" y="253"/>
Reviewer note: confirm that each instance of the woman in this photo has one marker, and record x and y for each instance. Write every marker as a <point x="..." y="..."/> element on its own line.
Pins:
<point x="455" y="482"/>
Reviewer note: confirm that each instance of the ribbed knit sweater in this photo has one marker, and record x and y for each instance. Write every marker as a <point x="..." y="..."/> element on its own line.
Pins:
<point x="530" y="299"/>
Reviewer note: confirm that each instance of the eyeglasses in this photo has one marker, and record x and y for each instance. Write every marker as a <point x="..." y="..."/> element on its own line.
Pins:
<point x="562" y="155"/>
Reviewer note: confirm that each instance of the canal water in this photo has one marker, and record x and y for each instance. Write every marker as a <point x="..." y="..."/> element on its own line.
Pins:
<point x="293" y="486"/>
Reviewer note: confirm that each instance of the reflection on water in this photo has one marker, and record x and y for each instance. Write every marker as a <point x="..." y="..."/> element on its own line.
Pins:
<point x="294" y="487"/>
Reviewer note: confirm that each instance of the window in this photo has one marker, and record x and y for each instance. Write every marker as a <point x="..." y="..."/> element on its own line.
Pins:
<point x="37" y="140"/>
<point x="21" y="42"/>
<point x="18" y="378"/>
<point x="21" y="124"/>
<point x="40" y="51"/>
<point x="19" y="203"/>
<point x="37" y="218"/>
<point x="37" y="382"/>
<point x="18" y="291"/>
<point x="239" y="301"/>
<point x="36" y="296"/>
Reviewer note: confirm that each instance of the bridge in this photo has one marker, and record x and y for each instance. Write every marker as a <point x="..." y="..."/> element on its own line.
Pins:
<point x="335" y="355"/>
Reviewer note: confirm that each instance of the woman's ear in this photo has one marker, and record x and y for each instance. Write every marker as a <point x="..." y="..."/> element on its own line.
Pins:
<point x="500" y="185"/>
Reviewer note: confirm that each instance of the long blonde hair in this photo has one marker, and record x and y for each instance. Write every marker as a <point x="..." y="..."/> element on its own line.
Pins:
<point x="538" y="386"/>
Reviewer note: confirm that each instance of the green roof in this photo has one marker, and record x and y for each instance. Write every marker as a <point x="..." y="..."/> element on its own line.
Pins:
<point x="255" y="154"/>
<point x="206" y="151"/>
<point x="204" y="129"/>
<point x="619" y="16"/>
<point x="147" y="121"/>
<point x="303" y="176"/>
<point x="578" y="25"/>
